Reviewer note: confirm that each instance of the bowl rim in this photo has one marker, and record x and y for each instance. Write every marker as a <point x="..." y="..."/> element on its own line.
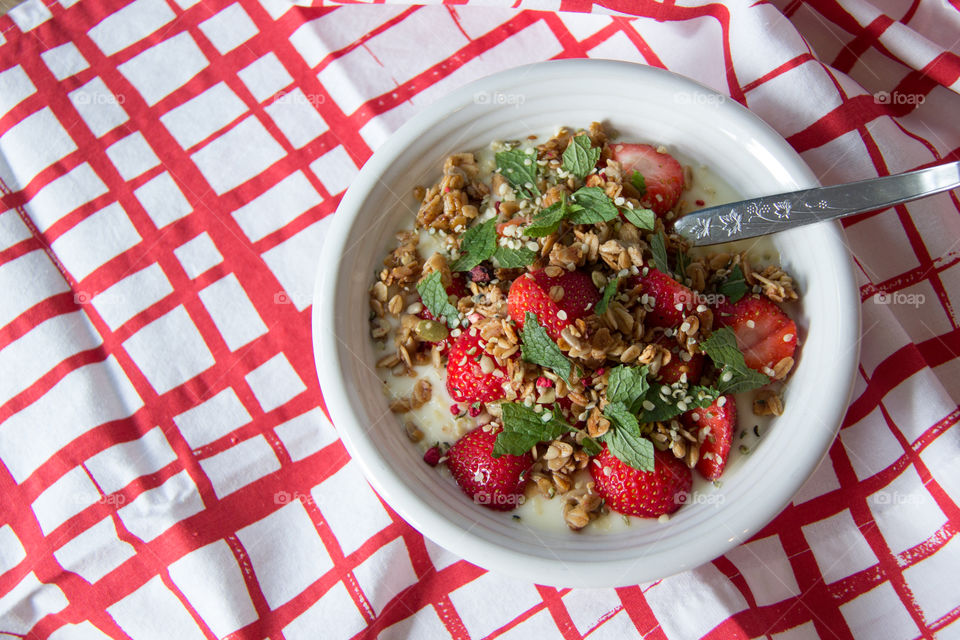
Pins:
<point x="420" y="513"/>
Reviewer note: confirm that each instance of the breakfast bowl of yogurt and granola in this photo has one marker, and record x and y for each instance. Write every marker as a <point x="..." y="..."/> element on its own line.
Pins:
<point x="536" y="372"/>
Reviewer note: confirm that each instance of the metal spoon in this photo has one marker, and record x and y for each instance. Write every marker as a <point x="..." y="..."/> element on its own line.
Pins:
<point x="770" y="214"/>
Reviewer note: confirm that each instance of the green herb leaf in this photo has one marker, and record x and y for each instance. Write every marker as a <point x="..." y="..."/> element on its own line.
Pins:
<point x="735" y="375"/>
<point x="735" y="286"/>
<point x="659" y="249"/>
<point x="656" y="408"/>
<point x="624" y="439"/>
<point x="537" y="348"/>
<point x="628" y="385"/>
<point x="514" y="258"/>
<point x="608" y="292"/>
<point x="580" y="157"/>
<point x="683" y="261"/>
<point x="547" y="221"/>
<point x="639" y="182"/>
<point x="640" y="218"/>
<point x="597" y="206"/>
<point x="434" y="298"/>
<point x="523" y="427"/>
<point x="591" y="446"/>
<point x="520" y="169"/>
<point x="478" y="244"/>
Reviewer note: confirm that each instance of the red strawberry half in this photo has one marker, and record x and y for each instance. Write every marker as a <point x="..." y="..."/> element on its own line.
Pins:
<point x="714" y="427"/>
<point x="765" y="334"/>
<point x="667" y="294"/>
<point x="661" y="173"/>
<point x="531" y="292"/>
<point x="673" y="370"/>
<point x="648" y="494"/>
<point x="467" y="380"/>
<point x="496" y="483"/>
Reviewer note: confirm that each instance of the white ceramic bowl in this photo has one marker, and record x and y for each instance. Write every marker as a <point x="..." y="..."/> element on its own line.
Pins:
<point x="643" y="104"/>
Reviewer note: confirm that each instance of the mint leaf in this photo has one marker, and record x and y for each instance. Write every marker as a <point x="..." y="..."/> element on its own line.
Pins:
<point x="536" y="347"/>
<point x="608" y="292"/>
<point x="656" y="408"/>
<point x="434" y="298"/>
<point x="627" y="385"/>
<point x="624" y="439"/>
<point x="520" y="170"/>
<point x="640" y="218"/>
<point x="683" y="261"/>
<point x="478" y="244"/>
<point x="590" y="446"/>
<point x="514" y="258"/>
<point x="735" y="286"/>
<point x="597" y="206"/>
<point x="639" y="182"/>
<point x="659" y="249"/>
<point x="579" y="158"/>
<point x="523" y="427"/>
<point x="735" y="375"/>
<point x="547" y="221"/>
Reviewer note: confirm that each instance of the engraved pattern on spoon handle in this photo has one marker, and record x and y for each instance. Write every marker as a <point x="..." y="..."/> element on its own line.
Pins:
<point x="770" y="214"/>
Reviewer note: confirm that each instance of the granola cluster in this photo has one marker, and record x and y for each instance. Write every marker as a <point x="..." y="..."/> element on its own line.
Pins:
<point x="616" y="253"/>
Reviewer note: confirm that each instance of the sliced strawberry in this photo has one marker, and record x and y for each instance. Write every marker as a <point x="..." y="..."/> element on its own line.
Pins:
<point x="466" y="380"/>
<point x="714" y="427"/>
<point x="673" y="370"/>
<point x="661" y="173"/>
<point x="531" y="292"/>
<point x="672" y="301"/>
<point x="765" y="334"/>
<point x="648" y="494"/>
<point x="496" y="483"/>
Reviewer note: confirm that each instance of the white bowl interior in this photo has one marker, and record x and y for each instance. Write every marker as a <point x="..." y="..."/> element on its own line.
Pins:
<point x="642" y="104"/>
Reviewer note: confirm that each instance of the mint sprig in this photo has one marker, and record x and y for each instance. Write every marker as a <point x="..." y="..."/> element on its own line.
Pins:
<point x="735" y="285"/>
<point x="596" y="206"/>
<point x="434" y="298"/>
<point x="520" y="170"/>
<point x="735" y="375"/>
<point x="638" y="182"/>
<point x="609" y="291"/>
<point x="580" y="157"/>
<point x="478" y="244"/>
<point x="658" y="408"/>
<point x="624" y="439"/>
<point x="546" y="222"/>
<point x="523" y="428"/>
<point x="507" y="258"/>
<point x="628" y="385"/>
<point x="641" y="218"/>
<point x="536" y="347"/>
<point x="659" y="249"/>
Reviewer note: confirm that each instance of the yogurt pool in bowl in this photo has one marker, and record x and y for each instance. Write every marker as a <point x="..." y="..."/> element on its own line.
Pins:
<point x="625" y="417"/>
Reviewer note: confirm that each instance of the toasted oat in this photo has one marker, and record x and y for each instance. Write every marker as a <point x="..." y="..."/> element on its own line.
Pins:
<point x="580" y="507"/>
<point x="782" y="368"/>
<point x="777" y="285"/>
<point x="767" y="402"/>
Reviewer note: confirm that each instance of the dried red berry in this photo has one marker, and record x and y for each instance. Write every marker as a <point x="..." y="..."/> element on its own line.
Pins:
<point x="432" y="456"/>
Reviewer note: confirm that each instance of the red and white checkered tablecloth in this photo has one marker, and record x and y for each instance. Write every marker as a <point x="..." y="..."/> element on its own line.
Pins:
<point x="167" y="171"/>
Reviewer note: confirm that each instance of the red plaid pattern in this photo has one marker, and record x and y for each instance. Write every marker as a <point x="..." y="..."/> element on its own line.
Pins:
<point x="167" y="168"/>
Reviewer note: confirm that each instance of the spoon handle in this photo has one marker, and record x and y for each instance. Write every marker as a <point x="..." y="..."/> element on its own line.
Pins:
<point x="770" y="214"/>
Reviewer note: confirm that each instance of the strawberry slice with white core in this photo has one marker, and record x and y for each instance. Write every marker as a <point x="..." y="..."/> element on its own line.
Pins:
<point x="765" y="334"/>
<point x="662" y="174"/>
